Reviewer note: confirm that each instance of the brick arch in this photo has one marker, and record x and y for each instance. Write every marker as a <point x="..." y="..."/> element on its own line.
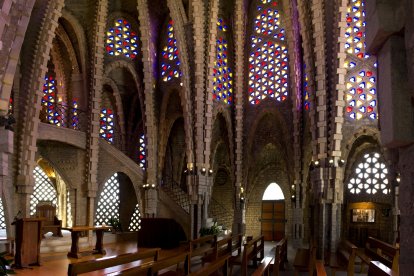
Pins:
<point x="119" y="108"/>
<point x="80" y="36"/>
<point x="16" y="15"/>
<point x="129" y="67"/>
<point x="254" y="195"/>
<point x="223" y="111"/>
<point x="27" y="141"/>
<point x="278" y="119"/>
<point x="58" y="62"/>
<point x="166" y="124"/>
<point x="63" y="36"/>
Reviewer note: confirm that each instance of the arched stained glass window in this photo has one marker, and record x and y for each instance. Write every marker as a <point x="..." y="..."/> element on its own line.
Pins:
<point x="108" y="203"/>
<point x="268" y="60"/>
<point x="370" y="176"/>
<point x="106" y="123"/>
<point x="43" y="190"/>
<point x="49" y="101"/>
<point x="122" y="40"/>
<point x="134" y="224"/>
<point x="222" y="75"/>
<point x="170" y="63"/>
<point x="142" y="152"/>
<point x="361" y="92"/>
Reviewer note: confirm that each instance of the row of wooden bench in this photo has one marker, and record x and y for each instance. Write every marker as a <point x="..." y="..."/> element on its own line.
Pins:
<point x="214" y="254"/>
<point x="377" y="254"/>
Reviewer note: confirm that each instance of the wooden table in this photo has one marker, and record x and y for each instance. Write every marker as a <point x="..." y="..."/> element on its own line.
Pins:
<point x="75" y="232"/>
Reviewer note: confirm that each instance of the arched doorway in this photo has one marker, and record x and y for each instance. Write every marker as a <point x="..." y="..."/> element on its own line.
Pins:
<point x="273" y="213"/>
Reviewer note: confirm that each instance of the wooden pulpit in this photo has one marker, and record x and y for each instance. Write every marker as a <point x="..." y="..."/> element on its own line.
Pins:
<point x="28" y="238"/>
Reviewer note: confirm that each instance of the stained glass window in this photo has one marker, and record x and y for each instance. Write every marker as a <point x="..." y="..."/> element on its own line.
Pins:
<point x="142" y="152"/>
<point x="10" y="105"/>
<point x="108" y="203"/>
<point x="134" y="224"/>
<point x="106" y="123"/>
<point x="170" y="63"/>
<point x="361" y="92"/>
<point x="122" y="40"/>
<point x="370" y="176"/>
<point x="49" y="101"/>
<point x="75" y="115"/>
<point x="268" y="60"/>
<point x="43" y="190"/>
<point x="222" y="75"/>
<point x="306" y="100"/>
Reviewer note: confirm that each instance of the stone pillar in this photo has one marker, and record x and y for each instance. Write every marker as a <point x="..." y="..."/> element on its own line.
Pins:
<point x="151" y="197"/>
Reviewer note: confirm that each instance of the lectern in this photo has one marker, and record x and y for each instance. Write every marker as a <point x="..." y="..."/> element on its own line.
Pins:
<point x="28" y="238"/>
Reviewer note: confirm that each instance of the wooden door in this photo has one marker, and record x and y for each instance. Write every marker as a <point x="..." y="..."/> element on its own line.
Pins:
<point x="273" y="219"/>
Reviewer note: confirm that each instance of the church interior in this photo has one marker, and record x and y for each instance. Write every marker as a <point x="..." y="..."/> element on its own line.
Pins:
<point x="164" y="121"/>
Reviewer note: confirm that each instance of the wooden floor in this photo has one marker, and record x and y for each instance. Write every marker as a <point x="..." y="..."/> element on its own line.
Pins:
<point x="56" y="264"/>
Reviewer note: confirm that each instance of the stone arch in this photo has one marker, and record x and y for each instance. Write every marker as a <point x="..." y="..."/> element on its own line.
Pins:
<point x="35" y="84"/>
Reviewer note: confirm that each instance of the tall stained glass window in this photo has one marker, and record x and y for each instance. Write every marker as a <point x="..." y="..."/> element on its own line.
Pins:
<point x="222" y="75"/>
<point x="170" y="63"/>
<point x="106" y="124"/>
<point x="121" y="40"/>
<point x="142" y="158"/>
<point x="370" y="176"/>
<point x="306" y="100"/>
<point x="268" y="60"/>
<point x="49" y="101"/>
<point x="361" y="91"/>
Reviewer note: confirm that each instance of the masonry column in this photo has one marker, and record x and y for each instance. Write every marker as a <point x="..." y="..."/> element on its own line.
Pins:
<point x="6" y="151"/>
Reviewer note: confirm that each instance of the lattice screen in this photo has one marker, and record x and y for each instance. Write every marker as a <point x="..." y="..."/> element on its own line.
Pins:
<point x="2" y="218"/>
<point x="135" y="223"/>
<point x="43" y="190"/>
<point x="69" y="221"/>
<point x="108" y="204"/>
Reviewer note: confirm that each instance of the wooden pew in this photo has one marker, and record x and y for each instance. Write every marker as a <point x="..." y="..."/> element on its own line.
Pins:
<point x="344" y="258"/>
<point x="376" y="268"/>
<point x="201" y="247"/>
<point x="250" y="251"/>
<point x="148" y="255"/>
<point x="320" y="268"/>
<point x="280" y="257"/>
<point x="305" y="259"/>
<point x="377" y="250"/>
<point x="222" y="248"/>
<point x="237" y="243"/>
<point x="221" y="263"/>
<point x="264" y="267"/>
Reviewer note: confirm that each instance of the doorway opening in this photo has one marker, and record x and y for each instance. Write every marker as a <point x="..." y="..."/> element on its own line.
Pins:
<point x="273" y="213"/>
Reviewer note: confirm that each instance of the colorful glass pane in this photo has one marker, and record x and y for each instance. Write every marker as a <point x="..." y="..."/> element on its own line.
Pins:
<point x="268" y="61"/>
<point x="106" y="123"/>
<point x="361" y="92"/>
<point x="10" y="105"/>
<point x="222" y="75"/>
<point x="170" y="64"/>
<point x="75" y="115"/>
<point x="370" y="176"/>
<point x="122" y="40"/>
<point x="306" y="101"/>
<point x="142" y="158"/>
<point x="49" y="99"/>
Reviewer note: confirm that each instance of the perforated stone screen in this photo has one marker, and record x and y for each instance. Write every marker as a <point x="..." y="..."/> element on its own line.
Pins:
<point x="43" y="190"/>
<point x="134" y="224"/>
<point x="108" y="204"/>
<point x="2" y="219"/>
<point x="69" y="221"/>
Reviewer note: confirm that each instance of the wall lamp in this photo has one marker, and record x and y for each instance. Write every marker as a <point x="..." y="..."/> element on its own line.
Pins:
<point x="341" y="162"/>
<point x="148" y="186"/>
<point x="210" y="172"/>
<point x="203" y="170"/>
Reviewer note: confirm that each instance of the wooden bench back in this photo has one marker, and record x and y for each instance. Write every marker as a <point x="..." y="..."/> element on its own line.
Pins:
<point x="46" y="210"/>
<point x="376" y="268"/>
<point x="220" y="263"/>
<point x="237" y="243"/>
<point x="98" y="264"/>
<point x="280" y="256"/>
<point x="386" y="253"/>
<point x="351" y="249"/>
